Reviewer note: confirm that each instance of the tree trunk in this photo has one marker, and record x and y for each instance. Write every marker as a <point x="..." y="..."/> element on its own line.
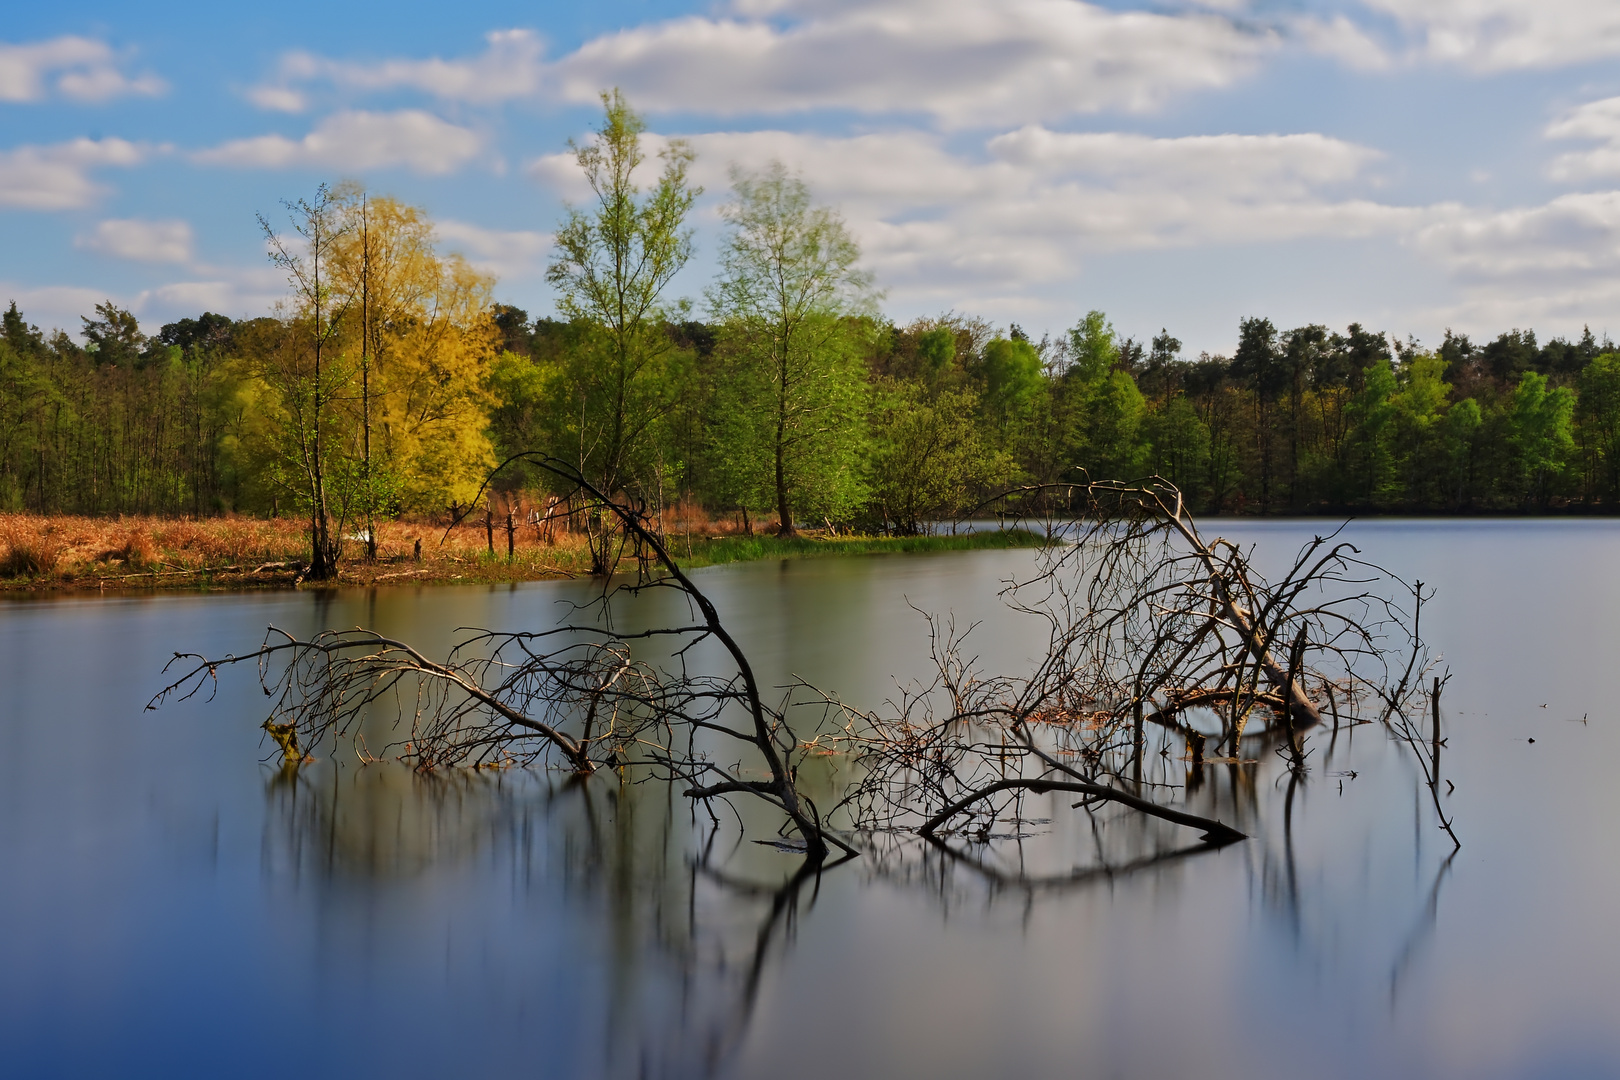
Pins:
<point x="784" y="512"/>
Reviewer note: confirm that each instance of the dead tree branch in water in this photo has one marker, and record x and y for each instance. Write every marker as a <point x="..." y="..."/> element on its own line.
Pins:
<point x="1147" y="624"/>
<point x="519" y="698"/>
<point x="1407" y="708"/>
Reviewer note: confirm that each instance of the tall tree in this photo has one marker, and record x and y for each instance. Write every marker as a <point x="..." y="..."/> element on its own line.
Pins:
<point x="1010" y="370"/>
<point x="304" y="375"/>
<point x="1303" y="350"/>
<point x="421" y="330"/>
<point x="1099" y="403"/>
<point x="114" y="335"/>
<point x="1258" y="363"/>
<point x="790" y="293"/>
<point x="1540" y="434"/>
<point x="1598" y="417"/>
<point x="1372" y="413"/>
<point x="611" y="265"/>
<point x="203" y="345"/>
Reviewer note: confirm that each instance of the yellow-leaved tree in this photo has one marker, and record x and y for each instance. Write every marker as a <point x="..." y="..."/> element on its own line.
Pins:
<point x="366" y="394"/>
<point x="421" y="336"/>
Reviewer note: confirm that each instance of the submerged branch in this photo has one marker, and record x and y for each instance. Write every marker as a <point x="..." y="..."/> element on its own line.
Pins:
<point x="1146" y="622"/>
<point x="1215" y="832"/>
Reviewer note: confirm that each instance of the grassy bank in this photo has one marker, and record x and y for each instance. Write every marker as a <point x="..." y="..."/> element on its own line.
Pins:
<point x="718" y="550"/>
<point x="50" y="554"/>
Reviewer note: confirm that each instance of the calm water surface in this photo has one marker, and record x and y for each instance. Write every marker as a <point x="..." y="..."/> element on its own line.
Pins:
<point x="172" y="905"/>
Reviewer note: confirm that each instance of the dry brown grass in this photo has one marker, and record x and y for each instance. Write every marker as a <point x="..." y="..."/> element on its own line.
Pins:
<point x="141" y="552"/>
<point x="27" y="554"/>
<point x="40" y="553"/>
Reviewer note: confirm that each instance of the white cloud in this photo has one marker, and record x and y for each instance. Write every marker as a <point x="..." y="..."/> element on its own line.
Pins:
<point x="237" y="291"/>
<point x="1573" y="237"/>
<point x="1262" y="166"/>
<point x="57" y="177"/>
<point x="963" y="63"/>
<point x="1500" y="35"/>
<point x="1033" y="205"/>
<point x="74" y="67"/>
<point x="188" y="299"/>
<point x="502" y="253"/>
<point x="240" y="292"/>
<point x="1598" y="121"/>
<point x="1556" y="265"/>
<point x="358" y="140"/>
<point x="510" y="67"/>
<point x="1342" y="40"/>
<point x="966" y="63"/>
<point x="142" y="241"/>
<point x="1485" y="311"/>
<point x="1007" y="222"/>
<point x="278" y="99"/>
<point x="1553" y="265"/>
<point x="52" y="307"/>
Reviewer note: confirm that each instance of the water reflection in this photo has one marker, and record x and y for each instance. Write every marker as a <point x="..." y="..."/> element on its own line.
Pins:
<point x="688" y="922"/>
<point x="689" y="918"/>
<point x="171" y="905"/>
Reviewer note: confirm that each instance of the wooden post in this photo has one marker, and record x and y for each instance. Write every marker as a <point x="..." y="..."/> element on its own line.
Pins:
<point x="1296" y="657"/>
<point x="511" y="536"/>
<point x="489" y="528"/>
<point x="1434" y="703"/>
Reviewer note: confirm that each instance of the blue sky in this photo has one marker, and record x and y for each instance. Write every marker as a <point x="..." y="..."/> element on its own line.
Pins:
<point x="1410" y="164"/>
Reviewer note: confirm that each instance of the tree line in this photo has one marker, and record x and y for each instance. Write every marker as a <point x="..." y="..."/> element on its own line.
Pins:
<point x="389" y="382"/>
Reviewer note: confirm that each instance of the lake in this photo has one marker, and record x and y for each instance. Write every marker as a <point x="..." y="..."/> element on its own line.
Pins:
<point x="174" y="904"/>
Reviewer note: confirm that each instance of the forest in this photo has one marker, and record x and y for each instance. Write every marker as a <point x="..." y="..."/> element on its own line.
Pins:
<point x="389" y="382"/>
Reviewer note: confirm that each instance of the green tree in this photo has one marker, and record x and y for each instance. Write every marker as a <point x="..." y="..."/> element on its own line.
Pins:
<point x="1598" y="426"/>
<point x="25" y="396"/>
<point x="1302" y="353"/>
<point x="1093" y="348"/>
<point x="1458" y="432"/>
<point x="929" y="457"/>
<point x="1178" y="444"/>
<point x="937" y="350"/>
<point x="1541" y="434"/>
<point x="1372" y="416"/>
<point x="307" y="379"/>
<point x="114" y="336"/>
<point x="207" y="383"/>
<point x="1107" y="439"/>
<point x="610" y="268"/>
<point x="1097" y="403"/>
<point x="1420" y="407"/>
<point x="1010" y="371"/>
<point x="1258" y="364"/>
<point x="1157" y="380"/>
<point x="790" y="293"/>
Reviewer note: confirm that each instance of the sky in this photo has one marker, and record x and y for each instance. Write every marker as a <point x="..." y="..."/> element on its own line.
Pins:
<point x="1412" y="165"/>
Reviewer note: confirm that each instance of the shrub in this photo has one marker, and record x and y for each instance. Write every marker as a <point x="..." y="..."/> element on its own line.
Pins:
<point x="138" y="552"/>
<point x="28" y="555"/>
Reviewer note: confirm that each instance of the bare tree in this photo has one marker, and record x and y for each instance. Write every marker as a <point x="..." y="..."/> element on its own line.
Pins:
<point x="308" y="393"/>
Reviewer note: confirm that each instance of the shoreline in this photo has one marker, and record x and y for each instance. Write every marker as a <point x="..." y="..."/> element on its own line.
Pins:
<point x="528" y="563"/>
